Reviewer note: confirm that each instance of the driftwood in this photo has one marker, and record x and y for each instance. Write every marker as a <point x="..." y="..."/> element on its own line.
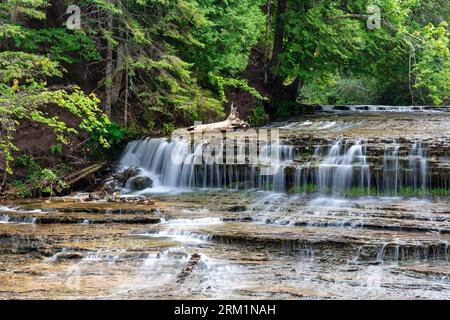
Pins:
<point x="73" y="178"/>
<point x="233" y="122"/>
<point x="193" y="261"/>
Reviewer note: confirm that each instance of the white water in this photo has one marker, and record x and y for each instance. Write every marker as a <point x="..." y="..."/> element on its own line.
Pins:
<point x="19" y="220"/>
<point x="345" y="166"/>
<point x="17" y="210"/>
<point x="179" y="165"/>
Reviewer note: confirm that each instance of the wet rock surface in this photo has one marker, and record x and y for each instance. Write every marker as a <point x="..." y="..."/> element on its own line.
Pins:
<point x="200" y="249"/>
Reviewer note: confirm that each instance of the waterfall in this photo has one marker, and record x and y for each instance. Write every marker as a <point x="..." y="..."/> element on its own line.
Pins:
<point x="378" y="108"/>
<point x="409" y="172"/>
<point x="344" y="167"/>
<point x="341" y="169"/>
<point x="391" y="169"/>
<point x="418" y="167"/>
<point x="180" y="163"/>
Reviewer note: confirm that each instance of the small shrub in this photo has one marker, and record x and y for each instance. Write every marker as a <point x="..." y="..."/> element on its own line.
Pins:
<point x="168" y="128"/>
<point x="258" y="116"/>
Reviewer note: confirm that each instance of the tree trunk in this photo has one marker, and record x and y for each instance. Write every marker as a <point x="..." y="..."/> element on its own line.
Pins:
<point x="279" y="34"/>
<point x="232" y="122"/>
<point x="125" y="112"/>
<point x="13" y="15"/>
<point x="276" y="87"/>
<point x="109" y="65"/>
<point x="118" y="73"/>
<point x="266" y="53"/>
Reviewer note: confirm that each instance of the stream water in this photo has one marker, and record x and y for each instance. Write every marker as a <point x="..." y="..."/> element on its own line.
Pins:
<point x="357" y="207"/>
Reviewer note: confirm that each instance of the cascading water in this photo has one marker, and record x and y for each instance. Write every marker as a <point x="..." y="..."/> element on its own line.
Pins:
<point x="418" y="167"/>
<point x="182" y="164"/>
<point x="409" y="172"/>
<point x="341" y="169"/>
<point x="345" y="166"/>
<point x="380" y="108"/>
<point x="391" y="169"/>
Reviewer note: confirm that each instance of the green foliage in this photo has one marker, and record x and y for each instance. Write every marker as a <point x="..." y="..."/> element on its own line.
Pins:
<point x="111" y="132"/>
<point x="307" y="188"/>
<point x="114" y="133"/>
<point x="25" y="161"/>
<point x="22" y="189"/>
<point x="29" y="60"/>
<point x="286" y="109"/>
<point x="56" y="148"/>
<point x="172" y="49"/>
<point x="28" y="8"/>
<point x="231" y="29"/>
<point x="220" y="83"/>
<point x="175" y="94"/>
<point x="258" y="116"/>
<point x="329" y="47"/>
<point x="432" y="71"/>
<point x="135" y="132"/>
<point x="26" y="68"/>
<point x="38" y="181"/>
<point x="58" y="43"/>
<point x="168" y="128"/>
<point x="342" y="89"/>
<point x="24" y="92"/>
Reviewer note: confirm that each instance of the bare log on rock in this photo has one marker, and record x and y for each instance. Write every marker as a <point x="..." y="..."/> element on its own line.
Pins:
<point x="233" y="122"/>
<point x="85" y="172"/>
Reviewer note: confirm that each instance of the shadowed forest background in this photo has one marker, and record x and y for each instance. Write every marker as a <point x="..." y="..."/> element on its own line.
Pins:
<point x="71" y="98"/>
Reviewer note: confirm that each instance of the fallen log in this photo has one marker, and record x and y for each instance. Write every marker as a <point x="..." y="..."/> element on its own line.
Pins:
<point x="74" y="177"/>
<point x="232" y="122"/>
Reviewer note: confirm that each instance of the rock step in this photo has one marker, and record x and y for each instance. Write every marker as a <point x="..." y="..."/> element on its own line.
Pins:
<point x="319" y="241"/>
<point x="350" y="222"/>
<point x="20" y="244"/>
<point x="79" y="218"/>
<point x="102" y="210"/>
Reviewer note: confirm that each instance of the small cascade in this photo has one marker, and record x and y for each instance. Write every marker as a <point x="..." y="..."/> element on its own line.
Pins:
<point x="18" y="210"/>
<point x="418" y="167"/>
<point x="379" y="108"/>
<point x="17" y="219"/>
<point x="400" y="250"/>
<point x="391" y="169"/>
<point x="408" y="173"/>
<point x="182" y="164"/>
<point x="348" y="168"/>
<point x="345" y="166"/>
